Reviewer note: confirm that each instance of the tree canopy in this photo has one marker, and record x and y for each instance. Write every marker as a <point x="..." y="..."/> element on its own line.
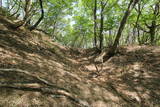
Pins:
<point x="90" y="23"/>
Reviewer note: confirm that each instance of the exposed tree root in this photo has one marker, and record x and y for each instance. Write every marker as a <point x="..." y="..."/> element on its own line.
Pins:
<point x="39" y="79"/>
<point x="10" y="24"/>
<point x="49" y="89"/>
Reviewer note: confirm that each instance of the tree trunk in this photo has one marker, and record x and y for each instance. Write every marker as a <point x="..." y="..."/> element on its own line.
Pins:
<point x="101" y="28"/>
<point x="139" y="39"/>
<point x="95" y="23"/>
<point x="27" y="9"/>
<point x="40" y="19"/>
<point x="101" y="38"/>
<point x="110" y="33"/>
<point x="137" y="20"/>
<point x="131" y="5"/>
<point x="154" y="26"/>
<point x="153" y="32"/>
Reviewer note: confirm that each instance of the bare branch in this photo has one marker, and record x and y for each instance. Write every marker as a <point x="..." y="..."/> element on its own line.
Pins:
<point x="141" y="28"/>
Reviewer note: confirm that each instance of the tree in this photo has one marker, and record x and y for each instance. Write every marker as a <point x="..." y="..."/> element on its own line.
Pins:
<point x="139" y="11"/>
<point x="27" y="9"/>
<point x="39" y="20"/>
<point x="90" y="23"/>
<point x="131" y="5"/>
<point x="151" y="23"/>
<point x="101" y="38"/>
<point x="95" y="23"/>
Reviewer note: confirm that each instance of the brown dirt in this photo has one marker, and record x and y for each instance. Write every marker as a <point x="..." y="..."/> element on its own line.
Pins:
<point x="129" y="79"/>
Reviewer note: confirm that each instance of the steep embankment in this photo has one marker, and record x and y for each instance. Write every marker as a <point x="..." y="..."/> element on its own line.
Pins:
<point x="36" y="72"/>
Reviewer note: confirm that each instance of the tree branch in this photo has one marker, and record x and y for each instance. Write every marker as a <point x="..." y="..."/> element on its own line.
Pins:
<point x="139" y="27"/>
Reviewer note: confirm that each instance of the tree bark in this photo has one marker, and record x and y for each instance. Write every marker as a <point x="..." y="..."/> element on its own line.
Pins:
<point x="101" y="27"/>
<point x="131" y="5"/>
<point x="139" y="10"/>
<point x="153" y="27"/>
<point x="40" y="19"/>
<point x="101" y="38"/>
<point x="153" y="32"/>
<point x="95" y="23"/>
<point x="27" y="9"/>
<point x="139" y="39"/>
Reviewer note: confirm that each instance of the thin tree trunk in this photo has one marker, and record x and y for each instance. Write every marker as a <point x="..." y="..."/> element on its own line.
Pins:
<point x="137" y="20"/>
<point x="13" y="6"/>
<point x="101" y="38"/>
<point x="27" y="9"/>
<point x="95" y="23"/>
<point x="101" y="28"/>
<point x="131" y="5"/>
<point x="19" y="6"/>
<point x="139" y="39"/>
<point x="110" y="33"/>
<point x="154" y="26"/>
<point x="153" y="32"/>
<point x="134" y="36"/>
<point x="54" y="28"/>
<point x="40" y="19"/>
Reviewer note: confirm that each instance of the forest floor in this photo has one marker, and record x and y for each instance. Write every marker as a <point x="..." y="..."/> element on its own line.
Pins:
<point x="36" y="72"/>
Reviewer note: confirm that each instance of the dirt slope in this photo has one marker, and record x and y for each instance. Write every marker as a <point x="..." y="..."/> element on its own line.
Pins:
<point x="36" y="72"/>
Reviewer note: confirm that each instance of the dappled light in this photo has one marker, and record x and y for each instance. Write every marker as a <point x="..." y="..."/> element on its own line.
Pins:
<point x="68" y="53"/>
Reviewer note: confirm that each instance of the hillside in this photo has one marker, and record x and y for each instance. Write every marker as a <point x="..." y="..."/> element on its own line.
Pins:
<point x="36" y="72"/>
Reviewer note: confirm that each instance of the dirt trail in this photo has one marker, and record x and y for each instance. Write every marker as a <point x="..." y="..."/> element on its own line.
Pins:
<point x="36" y="72"/>
<point x="132" y="75"/>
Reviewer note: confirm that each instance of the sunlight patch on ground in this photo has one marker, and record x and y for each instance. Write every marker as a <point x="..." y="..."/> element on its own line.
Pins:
<point x="132" y="95"/>
<point x="91" y="67"/>
<point x="3" y="27"/>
